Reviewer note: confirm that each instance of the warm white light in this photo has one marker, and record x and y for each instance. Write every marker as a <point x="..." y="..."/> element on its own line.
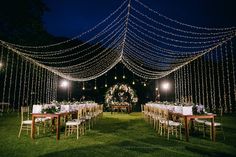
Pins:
<point x="1" y="65"/>
<point x="144" y="84"/>
<point x="166" y="86"/>
<point x="95" y="87"/>
<point x="123" y="76"/>
<point x="105" y="85"/>
<point x="115" y="77"/>
<point x="156" y="89"/>
<point x="133" y="82"/>
<point x="83" y="88"/>
<point x="64" y="84"/>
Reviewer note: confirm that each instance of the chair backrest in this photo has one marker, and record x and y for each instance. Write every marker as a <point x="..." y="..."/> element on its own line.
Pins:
<point x="165" y="115"/>
<point x="80" y="113"/>
<point x="25" y="113"/>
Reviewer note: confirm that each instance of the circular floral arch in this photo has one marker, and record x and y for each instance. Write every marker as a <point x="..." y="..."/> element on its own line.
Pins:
<point x="120" y="93"/>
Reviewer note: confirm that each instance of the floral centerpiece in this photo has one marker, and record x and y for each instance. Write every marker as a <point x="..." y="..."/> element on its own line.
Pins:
<point x="120" y="93"/>
<point x="50" y="109"/>
<point x="199" y="109"/>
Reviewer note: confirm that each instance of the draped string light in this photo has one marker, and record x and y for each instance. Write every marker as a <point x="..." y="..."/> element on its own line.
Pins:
<point x="180" y="85"/>
<point x="10" y="78"/>
<point x="42" y="86"/>
<point x="219" y="80"/>
<point x="24" y="97"/>
<point x="20" y="86"/>
<point x="209" y="85"/>
<point x="188" y="83"/>
<point x="199" y="81"/>
<point x="180" y="23"/>
<point x="175" y="79"/>
<point x="28" y="84"/>
<point x="233" y="69"/>
<point x="5" y="77"/>
<point x="223" y="80"/>
<point x="55" y="86"/>
<point x="148" y="43"/>
<point x="39" y="85"/>
<point x="228" y="77"/>
<point x="76" y="37"/>
<point x="32" y="93"/>
<point x="36" y="84"/>
<point x="210" y="81"/>
<point x="195" y="81"/>
<point x="213" y="81"/>
<point x="16" y="82"/>
<point x="191" y="83"/>
<point x="185" y="84"/>
<point x="203" y="73"/>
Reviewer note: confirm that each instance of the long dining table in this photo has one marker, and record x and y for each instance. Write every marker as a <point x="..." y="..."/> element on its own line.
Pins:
<point x="53" y="116"/>
<point x="188" y="118"/>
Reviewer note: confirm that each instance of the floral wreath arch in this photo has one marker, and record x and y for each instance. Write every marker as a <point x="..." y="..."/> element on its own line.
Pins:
<point x="121" y="93"/>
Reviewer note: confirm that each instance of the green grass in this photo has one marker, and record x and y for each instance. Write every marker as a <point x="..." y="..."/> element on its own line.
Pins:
<point x="115" y="136"/>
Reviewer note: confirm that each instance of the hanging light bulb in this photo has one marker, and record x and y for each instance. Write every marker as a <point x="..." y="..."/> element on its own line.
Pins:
<point x="123" y="73"/>
<point x="133" y="80"/>
<point x="83" y="86"/>
<point x="95" y="87"/>
<point x="144" y="84"/>
<point x="105" y="85"/>
<point x="115" y="74"/>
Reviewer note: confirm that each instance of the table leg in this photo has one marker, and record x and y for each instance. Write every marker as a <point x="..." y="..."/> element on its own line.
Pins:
<point x="33" y="127"/>
<point x="186" y="128"/>
<point x="58" y="127"/>
<point x="213" y="129"/>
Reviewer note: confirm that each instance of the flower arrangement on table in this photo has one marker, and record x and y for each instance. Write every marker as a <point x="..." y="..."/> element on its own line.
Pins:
<point x="50" y="109"/>
<point x="199" y="109"/>
<point x="120" y="93"/>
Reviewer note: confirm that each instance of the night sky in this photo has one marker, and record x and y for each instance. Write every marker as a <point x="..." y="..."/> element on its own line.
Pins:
<point x="69" y="18"/>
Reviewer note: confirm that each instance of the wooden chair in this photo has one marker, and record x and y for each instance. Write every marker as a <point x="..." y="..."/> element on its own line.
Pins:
<point x="166" y="125"/>
<point x="26" y="123"/>
<point x="217" y="125"/>
<point x="76" y="125"/>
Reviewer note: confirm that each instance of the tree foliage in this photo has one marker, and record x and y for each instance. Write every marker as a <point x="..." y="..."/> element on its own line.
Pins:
<point x="21" y="21"/>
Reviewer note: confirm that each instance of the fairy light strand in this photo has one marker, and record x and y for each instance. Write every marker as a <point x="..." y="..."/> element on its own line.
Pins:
<point x="228" y="77"/>
<point x="10" y="78"/>
<point x="206" y="82"/>
<point x="16" y="82"/>
<point x="5" y="77"/>
<point x="233" y="70"/>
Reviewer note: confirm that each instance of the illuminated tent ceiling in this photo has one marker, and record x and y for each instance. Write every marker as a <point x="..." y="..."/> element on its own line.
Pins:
<point x="148" y="43"/>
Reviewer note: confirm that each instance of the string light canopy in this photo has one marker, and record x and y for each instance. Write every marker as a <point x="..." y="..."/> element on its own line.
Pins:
<point x="149" y="44"/>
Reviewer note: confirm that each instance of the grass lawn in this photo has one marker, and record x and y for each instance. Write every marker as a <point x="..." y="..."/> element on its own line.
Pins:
<point x="114" y="136"/>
